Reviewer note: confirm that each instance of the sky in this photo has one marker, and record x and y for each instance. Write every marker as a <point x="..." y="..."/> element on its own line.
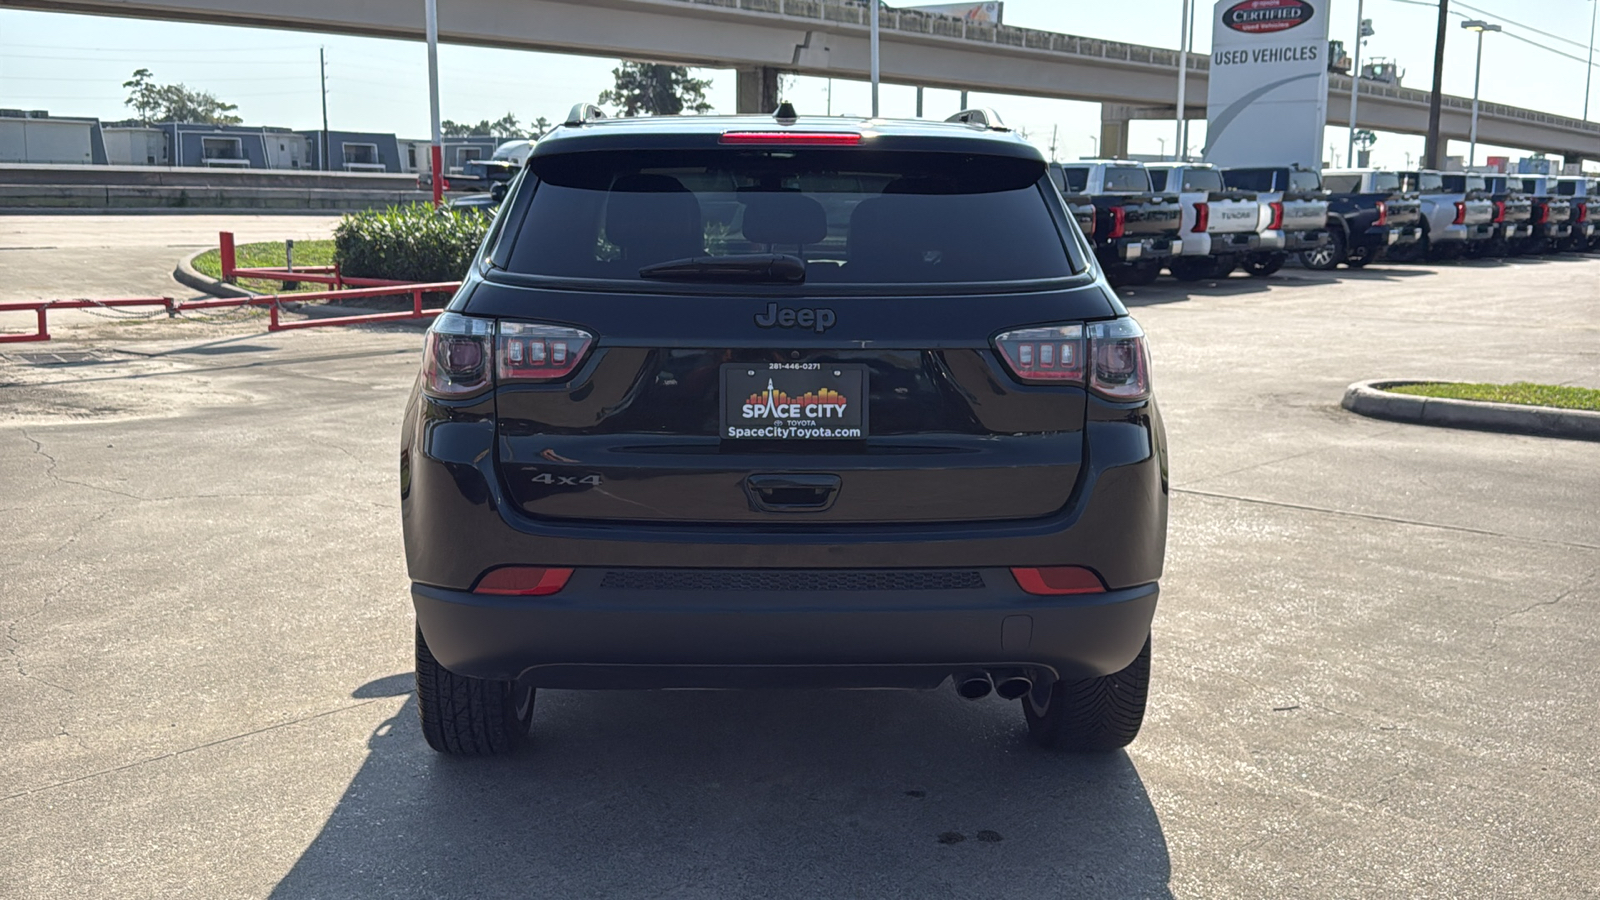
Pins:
<point x="74" y="65"/>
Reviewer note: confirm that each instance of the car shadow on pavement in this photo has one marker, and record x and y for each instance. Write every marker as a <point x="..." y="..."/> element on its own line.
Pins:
<point x="740" y="794"/>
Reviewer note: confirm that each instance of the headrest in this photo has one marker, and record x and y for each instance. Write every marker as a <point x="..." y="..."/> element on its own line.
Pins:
<point x="783" y="217"/>
<point x="652" y="209"/>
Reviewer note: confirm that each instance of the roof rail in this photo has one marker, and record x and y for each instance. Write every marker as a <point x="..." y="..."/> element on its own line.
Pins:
<point x="983" y="118"/>
<point x="584" y="112"/>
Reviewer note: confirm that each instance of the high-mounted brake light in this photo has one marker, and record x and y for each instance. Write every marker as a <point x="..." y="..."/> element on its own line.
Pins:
<point x="1058" y="580"/>
<point x="1119" y="222"/>
<point x="530" y="351"/>
<point x="522" y="581"/>
<point x="1383" y="213"/>
<point x="1202" y="218"/>
<point x="1499" y="212"/>
<point x="1461" y="214"/>
<point x="1109" y="358"/>
<point x="1277" y="216"/>
<point x="807" y="138"/>
<point x="455" y="356"/>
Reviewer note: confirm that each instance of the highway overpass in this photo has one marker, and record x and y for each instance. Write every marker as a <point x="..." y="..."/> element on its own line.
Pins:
<point x="829" y="38"/>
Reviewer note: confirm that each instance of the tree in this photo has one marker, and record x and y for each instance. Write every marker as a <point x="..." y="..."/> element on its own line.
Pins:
<point x="654" y="89"/>
<point x="175" y="102"/>
<point x="143" y="97"/>
<point x="541" y="127"/>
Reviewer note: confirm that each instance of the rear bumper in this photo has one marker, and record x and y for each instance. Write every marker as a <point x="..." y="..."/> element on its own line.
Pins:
<point x="1386" y="236"/>
<point x="592" y="636"/>
<point x="1306" y="240"/>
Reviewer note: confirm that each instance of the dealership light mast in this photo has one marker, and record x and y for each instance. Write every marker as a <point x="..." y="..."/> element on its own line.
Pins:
<point x="1183" y="71"/>
<point x="875" y="13"/>
<point x="1480" y="27"/>
<point x="436" y="151"/>
<point x="1363" y="30"/>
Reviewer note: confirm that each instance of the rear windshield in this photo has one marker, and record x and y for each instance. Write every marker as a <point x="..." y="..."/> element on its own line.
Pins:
<point x="1343" y="184"/>
<point x="1462" y="184"/>
<point x="1261" y="180"/>
<point x="1385" y="181"/>
<point x="1424" y="182"/>
<point x="1305" y="181"/>
<point x="851" y="216"/>
<point x="1070" y="181"/>
<point x="1127" y="178"/>
<point x="1567" y="188"/>
<point x="1200" y="180"/>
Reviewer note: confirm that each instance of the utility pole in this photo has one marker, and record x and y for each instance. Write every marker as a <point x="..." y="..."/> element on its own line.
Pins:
<point x="322" y="56"/>
<point x="1355" y="78"/>
<point x="874" y="14"/>
<point x="1183" y="69"/>
<point x="436" y="154"/>
<point x="919" y="101"/>
<point x="1432" y="153"/>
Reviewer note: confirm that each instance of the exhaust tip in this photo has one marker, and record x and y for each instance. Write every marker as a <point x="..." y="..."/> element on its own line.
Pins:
<point x="1012" y="687"/>
<point x="974" y="685"/>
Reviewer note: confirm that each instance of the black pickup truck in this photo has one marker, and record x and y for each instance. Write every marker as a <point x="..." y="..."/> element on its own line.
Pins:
<point x="1367" y="214"/>
<point x="1513" y="212"/>
<point x="1135" y="229"/>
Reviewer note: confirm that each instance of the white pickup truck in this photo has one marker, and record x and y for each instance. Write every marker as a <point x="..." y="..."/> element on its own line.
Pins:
<point x="1294" y="213"/>
<point x="1219" y="228"/>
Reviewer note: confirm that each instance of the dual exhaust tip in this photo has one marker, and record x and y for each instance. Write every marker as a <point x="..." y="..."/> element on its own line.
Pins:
<point x="1008" y="684"/>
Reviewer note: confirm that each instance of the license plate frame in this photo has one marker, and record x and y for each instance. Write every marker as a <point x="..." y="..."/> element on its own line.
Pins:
<point x="807" y="401"/>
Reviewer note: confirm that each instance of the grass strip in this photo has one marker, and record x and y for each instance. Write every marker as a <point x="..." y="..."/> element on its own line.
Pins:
<point x="270" y="255"/>
<point x="1523" y="393"/>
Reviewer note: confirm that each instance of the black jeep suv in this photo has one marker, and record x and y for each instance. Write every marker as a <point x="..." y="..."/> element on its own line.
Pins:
<point x="775" y="402"/>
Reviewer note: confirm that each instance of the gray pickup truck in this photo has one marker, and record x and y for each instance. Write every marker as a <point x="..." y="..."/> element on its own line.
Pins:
<point x="1583" y="193"/>
<point x="1135" y="228"/>
<point x="1513" y="212"/>
<point x="1219" y="224"/>
<point x="1294" y="213"/>
<point x="1452" y="221"/>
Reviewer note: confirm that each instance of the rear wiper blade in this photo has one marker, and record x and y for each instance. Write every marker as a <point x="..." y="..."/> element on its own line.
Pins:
<point x="763" y="267"/>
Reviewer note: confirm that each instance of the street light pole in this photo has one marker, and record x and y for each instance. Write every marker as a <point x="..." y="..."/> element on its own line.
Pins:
<point x="1594" y="9"/>
<point x="436" y="152"/>
<point x="1355" y="82"/>
<point x="874" y="13"/>
<point x="1480" y="27"/>
<point x="1183" y="70"/>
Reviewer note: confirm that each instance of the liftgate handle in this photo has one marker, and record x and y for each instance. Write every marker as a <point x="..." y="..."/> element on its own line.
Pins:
<point x="791" y="493"/>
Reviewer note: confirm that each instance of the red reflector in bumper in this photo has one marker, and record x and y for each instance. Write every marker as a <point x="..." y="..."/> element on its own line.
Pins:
<point x="1055" y="580"/>
<point x="522" y="581"/>
<point x="813" y="138"/>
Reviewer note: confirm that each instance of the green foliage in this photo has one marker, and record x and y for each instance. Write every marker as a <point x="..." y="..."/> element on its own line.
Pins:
<point x="409" y="243"/>
<point x="270" y="255"/>
<point x="175" y="102"/>
<point x="1521" y="392"/>
<point x="656" y="90"/>
<point x="506" y="126"/>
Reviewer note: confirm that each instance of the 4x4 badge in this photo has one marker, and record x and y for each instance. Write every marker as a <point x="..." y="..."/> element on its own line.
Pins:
<point x="820" y="319"/>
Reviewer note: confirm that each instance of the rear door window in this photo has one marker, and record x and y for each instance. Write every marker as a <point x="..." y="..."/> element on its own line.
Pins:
<point x="1305" y="181"/>
<point x="1158" y="179"/>
<point x="1074" y="180"/>
<point x="851" y="216"/>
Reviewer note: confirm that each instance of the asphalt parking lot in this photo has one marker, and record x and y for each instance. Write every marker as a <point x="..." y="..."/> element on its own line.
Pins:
<point x="1374" y="674"/>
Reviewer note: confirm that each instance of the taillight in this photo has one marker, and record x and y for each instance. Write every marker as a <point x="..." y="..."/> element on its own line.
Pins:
<point x="455" y="357"/>
<point x="1058" y="580"/>
<point x="1119" y="222"/>
<point x="1109" y="358"/>
<point x="1499" y="211"/>
<point x="529" y="351"/>
<point x="1582" y="215"/>
<point x="1461" y="214"/>
<point x="1383" y="213"/>
<point x="522" y="581"/>
<point x="1044" y="355"/>
<point x="1544" y="214"/>
<point x="1277" y="216"/>
<point x="1202" y="217"/>
<point x="804" y="138"/>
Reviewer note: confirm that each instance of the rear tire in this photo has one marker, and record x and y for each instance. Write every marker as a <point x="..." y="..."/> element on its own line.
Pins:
<point x="466" y="716"/>
<point x="1327" y="257"/>
<point x="1094" y="715"/>
<point x="1262" y="266"/>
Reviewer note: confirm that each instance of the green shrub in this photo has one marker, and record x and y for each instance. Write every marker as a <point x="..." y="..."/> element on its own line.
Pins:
<point x="409" y="243"/>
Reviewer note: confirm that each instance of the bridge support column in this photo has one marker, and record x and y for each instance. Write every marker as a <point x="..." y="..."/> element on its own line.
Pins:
<point x="1113" y="132"/>
<point x="757" y="90"/>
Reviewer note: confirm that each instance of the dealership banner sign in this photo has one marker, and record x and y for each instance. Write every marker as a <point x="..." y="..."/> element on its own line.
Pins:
<point x="1268" y="99"/>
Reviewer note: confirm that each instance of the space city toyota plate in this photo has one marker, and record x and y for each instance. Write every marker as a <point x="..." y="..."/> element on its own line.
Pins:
<point x="778" y="401"/>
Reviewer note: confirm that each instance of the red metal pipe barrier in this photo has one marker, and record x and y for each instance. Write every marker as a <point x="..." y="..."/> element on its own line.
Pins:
<point x="225" y="252"/>
<point x="274" y="303"/>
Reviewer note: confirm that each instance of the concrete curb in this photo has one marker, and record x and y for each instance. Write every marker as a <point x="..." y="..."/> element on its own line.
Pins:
<point x="1370" y="398"/>
<point x="187" y="275"/>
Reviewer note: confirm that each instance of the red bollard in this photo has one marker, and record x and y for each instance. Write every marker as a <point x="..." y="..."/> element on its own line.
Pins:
<point x="229" y="261"/>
